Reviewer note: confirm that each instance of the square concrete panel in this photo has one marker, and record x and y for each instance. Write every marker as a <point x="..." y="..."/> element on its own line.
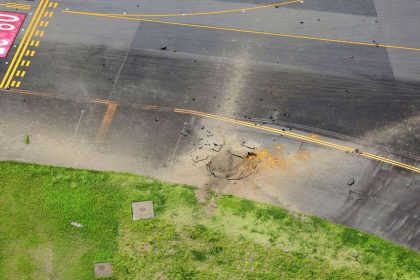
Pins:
<point x="103" y="270"/>
<point x="142" y="210"/>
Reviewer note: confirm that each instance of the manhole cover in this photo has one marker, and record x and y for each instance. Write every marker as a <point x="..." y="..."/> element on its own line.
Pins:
<point x="142" y="210"/>
<point x="103" y="270"/>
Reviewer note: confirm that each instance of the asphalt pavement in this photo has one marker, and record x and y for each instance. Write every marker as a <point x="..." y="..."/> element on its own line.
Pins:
<point x="107" y="83"/>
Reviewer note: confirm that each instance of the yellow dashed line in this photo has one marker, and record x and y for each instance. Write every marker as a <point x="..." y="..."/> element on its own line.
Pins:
<point x="37" y="43"/>
<point x="23" y="74"/>
<point x="28" y="63"/>
<point x="18" y="73"/>
<point x="41" y="33"/>
<point x="46" y="14"/>
<point x="18" y="84"/>
<point x="22" y="63"/>
<point x="51" y="14"/>
<point x="46" y="23"/>
<point x="32" y="43"/>
<point x="27" y="52"/>
<point x="13" y="83"/>
<point x="55" y="5"/>
<point x="42" y="24"/>
<point x="32" y="53"/>
<point x="50" y="5"/>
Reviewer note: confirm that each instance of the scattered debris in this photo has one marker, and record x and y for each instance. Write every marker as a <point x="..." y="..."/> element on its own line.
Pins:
<point x="156" y="119"/>
<point x="198" y="159"/>
<point x="249" y="147"/>
<point x="301" y="22"/>
<point x="103" y="270"/>
<point x="235" y="155"/>
<point x="76" y="224"/>
<point x="163" y="48"/>
<point x="250" y="155"/>
<point x="356" y="255"/>
<point x="351" y="182"/>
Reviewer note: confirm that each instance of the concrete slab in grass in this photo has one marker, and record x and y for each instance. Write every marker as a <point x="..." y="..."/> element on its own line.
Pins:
<point x="142" y="210"/>
<point x="103" y="270"/>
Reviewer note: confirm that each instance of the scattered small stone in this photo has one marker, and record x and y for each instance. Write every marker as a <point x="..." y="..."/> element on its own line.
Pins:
<point x="351" y="57"/>
<point x="202" y="127"/>
<point x="318" y="19"/>
<point x="351" y="182"/>
<point x="193" y="99"/>
<point x="163" y="48"/>
<point x="356" y="255"/>
<point x="301" y="22"/>
<point x="156" y="119"/>
<point x="276" y="6"/>
<point x="76" y="224"/>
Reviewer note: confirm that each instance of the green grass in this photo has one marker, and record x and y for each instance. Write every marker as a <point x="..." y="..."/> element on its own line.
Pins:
<point x="239" y="239"/>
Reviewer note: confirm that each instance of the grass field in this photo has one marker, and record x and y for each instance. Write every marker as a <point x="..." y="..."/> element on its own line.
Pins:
<point x="226" y="238"/>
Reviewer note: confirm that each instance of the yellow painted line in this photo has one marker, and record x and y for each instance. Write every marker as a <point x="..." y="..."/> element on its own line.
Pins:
<point x="22" y="63"/>
<point x="41" y="34"/>
<point x="18" y="73"/>
<point x="36" y="43"/>
<point x="42" y="23"/>
<point x="28" y="63"/>
<point x="17" y="6"/>
<point x="20" y="50"/>
<point x="112" y="105"/>
<point x="300" y="137"/>
<point x="37" y="33"/>
<point x="27" y="52"/>
<point x="106" y="122"/>
<point x="211" y="13"/>
<point x="18" y="84"/>
<point x="23" y="74"/>
<point x="50" y="5"/>
<point x="50" y="14"/>
<point x="36" y="18"/>
<point x="55" y="5"/>
<point x="32" y="53"/>
<point x="32" y="43"/>
<point x="46" y="14"/>
<point x="47" y="23"/>
<point x="255" y="32"/>
<point x="13" y="83"/>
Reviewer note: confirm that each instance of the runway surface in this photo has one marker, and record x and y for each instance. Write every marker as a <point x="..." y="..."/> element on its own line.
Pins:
<point x="150" y="87"/>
